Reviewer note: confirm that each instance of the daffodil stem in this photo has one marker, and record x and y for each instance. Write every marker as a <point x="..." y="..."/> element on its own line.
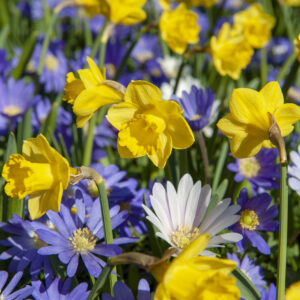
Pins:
<point x="179" y="75"/>
<point x="263" y="67"/>
<point x="283" y="218"/>
<point x="46" y="43"/>
<point x="291" y="77"/>
<point x="108" y="235"/>
<point x="88" y="148"/>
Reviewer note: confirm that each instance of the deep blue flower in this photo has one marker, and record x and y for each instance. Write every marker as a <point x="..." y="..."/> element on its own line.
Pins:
<point x="255" y="215"/>
<point x="40" y="113"/>
<point x="78" y="235"/>
<point x="260" y="170"/>
<point x="54" y="69"/>
<point x="55" y="288"/>
<point x="4" y="63"/>
<point x="79" y="59"/>
<point x="197" y="107"/>
<point x="16" y="98"/>
<point x="122" y="291"/>
<point x="270" y="294"/>
<point x="279" y="49"/>
<point x="23" y="244"/>
<point x="253" y="272"/>
<point x="8" y="293"/>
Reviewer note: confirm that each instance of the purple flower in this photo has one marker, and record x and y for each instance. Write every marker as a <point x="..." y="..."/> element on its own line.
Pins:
<point x="270" y="294"/>
<point x="279" y="49"/>
<point x="7" y="292"/>
<point x="16" y="98"/>
<point x="57" y="289"/>
<point x="40" y="113"/>
<point x="255" y="215"/>
<point x="253" y="272"/>
<point x="122" y="291"/>
<point x="54" y="69"/>
<point x="197" y="107"/>
<point x="4" y="64"/>
<point x="23" y="244"/>
<point x="78" y="235"/>
<point x="260" y="170"/>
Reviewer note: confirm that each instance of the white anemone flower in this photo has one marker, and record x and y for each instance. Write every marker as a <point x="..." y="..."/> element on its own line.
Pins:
<point x="294" y="171"/>
<point x="180" y="216"/>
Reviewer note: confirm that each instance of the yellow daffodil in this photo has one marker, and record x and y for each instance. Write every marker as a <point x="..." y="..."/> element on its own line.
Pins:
<point x="251" y="115"/>
<point x="126" y="12"/>
<point x="207" y="3"/>
<point x="149" y="126"/>
<point x="297" y="45"/>
<point x="92" y="7"/>
<point x="293" y="292"/>
<point x="190" y="276"/>
<point x="91" y="91"/>
<point x="255" y="24"/>
<point x="231" y="52"/>
<point x="179" y="28"/>
<point x="40" y="172"/>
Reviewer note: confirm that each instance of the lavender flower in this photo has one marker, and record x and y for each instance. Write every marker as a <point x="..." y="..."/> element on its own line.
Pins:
<point x="122" y="291"/>
<point x="23" y="244"/>
<point x="294" y="171"/>
<point x="270" y="294"/>
<point x="255" y="215"/>
<point x="197" y="107"/>
<point x="7" y="292"/>
<point x="78" y="235"/>
<point x="253" y="272"/>
<point x="57" y="289"/>
<point x="260" y="170"/>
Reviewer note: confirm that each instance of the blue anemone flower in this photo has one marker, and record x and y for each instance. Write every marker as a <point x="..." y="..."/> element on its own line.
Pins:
<point x="260" y="170"/>
<point x="255" y="215"/>
<point x="270" y="294"/>
<point x="122" y="291"/>
<point x="78" y="235"/>
<point x="7" y="292"/>
<point x="253" y="272"/>
<point x="55" y="288"/>
<point x="197" y="107"/>
<point x="23" y="244"/>
<point x="16" y="98"/>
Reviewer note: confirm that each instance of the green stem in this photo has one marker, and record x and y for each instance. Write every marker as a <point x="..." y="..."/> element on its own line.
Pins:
<point x="179" y="75"/>
<point x="127" y="54"/>
<point x="291" y="77"/>
<point x="108" y="235"/>
<point x="282" y="232"/>
<point x="97" y="42"/>
<point x="220" y="165"/>
<point x="203" y="150"/>
<point x="263" y="67"/>
<point x="286" y="67"/>
<point x="46" y="43"/>
<point x="88" y="148"/>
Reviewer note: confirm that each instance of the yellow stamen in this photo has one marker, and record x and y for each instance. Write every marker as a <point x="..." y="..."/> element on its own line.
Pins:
<point x="11" y="110"/>
<point x="184" y="236"/>
<point x="83" y="240"/>
<point x="195" y="117"/>
<point x="249" y="219"/>
<point x="51" y="62"/>
<point x="249" y="167"/>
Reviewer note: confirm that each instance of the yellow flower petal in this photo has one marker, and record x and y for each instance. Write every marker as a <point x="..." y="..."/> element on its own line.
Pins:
<point x="121" y="113"/>
<point x="98" y="75"/>
<point x="245" y="145"/>
<point x="286" y="115"/>
<point x="142" y="93"/>
<point x="90" y="100"/>
<point x="230" y="127"/>
<point x="247" y="106"/>
<point x="73" y="88"/>
<point x="272" y="95"/>
<point x="161" y="156"/>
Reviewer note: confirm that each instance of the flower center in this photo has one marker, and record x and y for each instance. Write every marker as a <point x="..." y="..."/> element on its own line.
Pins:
<point x="51" y="62"/>
<point x="37" y="242"/>
<point x="249" y="167"/>
<point x="111" y="69"/>
<point x="184" y="236"/>
<point x="1" y="296"/>
<point x="11" y="110"/>
<point x="141" y="134"/>
<point x="249" y="219"/>
<point x="195" y="117"/>
<point x="83" y="240"/>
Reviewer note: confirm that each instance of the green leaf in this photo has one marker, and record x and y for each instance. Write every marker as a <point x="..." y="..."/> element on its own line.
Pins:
<point x="217" y="196"/>
<point x="100" y="282"/>
<point x="246" y="287"/>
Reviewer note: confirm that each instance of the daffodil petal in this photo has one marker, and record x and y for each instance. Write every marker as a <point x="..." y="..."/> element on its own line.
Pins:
<point x="247" y="106"/>
<point x="99" y="75"/>
<point x="73" y="88"/>
<point x="88" y="79"/>
<point x="161" y="156"/>
<point x="229" y="126"/>
<point x="286" y="115"/>
<point x="142" y="93"/>
<point x="36" y="148"/>
<point x="125" y="153"/>
<point x="121" y="113"/>
<point x="245" y="145"/>
<point x="273" y="96"/>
